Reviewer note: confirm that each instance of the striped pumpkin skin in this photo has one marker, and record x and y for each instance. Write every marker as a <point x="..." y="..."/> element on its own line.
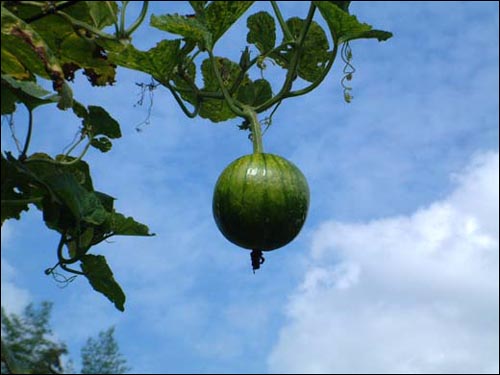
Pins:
<point x="260" y="201"/>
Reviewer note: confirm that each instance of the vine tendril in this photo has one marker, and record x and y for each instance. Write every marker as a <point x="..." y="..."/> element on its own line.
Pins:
<point x="346" y="55"/>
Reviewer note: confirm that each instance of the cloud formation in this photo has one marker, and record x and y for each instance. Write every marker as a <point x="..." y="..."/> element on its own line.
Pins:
<point x="406" y="294"/>
<point x="14" y="298"/>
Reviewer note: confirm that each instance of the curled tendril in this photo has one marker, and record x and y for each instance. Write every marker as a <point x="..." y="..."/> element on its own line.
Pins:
<point x="346" y="54"/>
<point x="59" y="278"/>
<point x="146" y="88"/>
<point x="9" y="119"/>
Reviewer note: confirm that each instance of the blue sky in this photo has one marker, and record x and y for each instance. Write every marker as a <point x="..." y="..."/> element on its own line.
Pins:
<point x="396" y="268"/>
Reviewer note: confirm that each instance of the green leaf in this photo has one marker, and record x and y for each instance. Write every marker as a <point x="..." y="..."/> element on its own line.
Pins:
<point x="198" y="6"/>
<point x="79" y="169"/>
<point x="107" y="201"/>
<point x="189" y="28"/>
<point x="72" y="49"/>
<point x="79" y="110"/>
<point x="347" y="27"/>
<point x="228" y="70"/>
<point x="127" y="226"/>
<point x="255" y="93"/>
<point x="262" y="31"/>
<point x="100" y="122"/>
<point x="12" y="66"/>
<point x="344" y="5"/>
<point x="83" y="205"/>
<point x="215" y="109"/>
<point x="102" y="13"/>
<point x="315" y="54"/>
<point x="8" y="100"/>
<point x="13" y="202"/>
<point x="13" y="26"/>
<point x="79" y="53"/>
<point x="12" y="206"/>
<point x="263" y="91"/>
<point x="101" y="278"/>
<point x="190" y="71"/>
<point x="159" y="61"/>
<point x="27" y="92"/>
<point x="68" y="188"/>
<point x="220" y="15"/>
<point x="30" y="88"/>
<point x="103" y="144"/>
<point x="246" y="93"/>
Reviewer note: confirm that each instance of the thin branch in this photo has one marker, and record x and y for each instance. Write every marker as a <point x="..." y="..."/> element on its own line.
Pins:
<point x="113" y="14"/>
<point x="122" y="19"/>
<point x="139" y="19"/>
<point x="10" y="119"/>
<point x="292" y="69"/>
<point x="71" y="270"/>
<point x="179" y="101"/>
<point x="28" y="135"/>
<point x="89" y="28"/>
<point x="53" y="10"/>
<point x="284" y="27"/>
<point x="320" y="79"/>
<point x="75" y="145"/>
<point x="229" y="100"/>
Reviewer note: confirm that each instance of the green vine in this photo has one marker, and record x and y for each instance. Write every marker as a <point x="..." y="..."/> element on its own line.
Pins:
<point x="36" y="46"/>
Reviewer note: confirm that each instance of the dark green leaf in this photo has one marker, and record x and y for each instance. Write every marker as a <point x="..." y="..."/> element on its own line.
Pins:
<point x="159" y="61"/>
<point x="84" y="205"/>
<point x="107" y="201"/>
<point x="19" y="187"/>
<point x="101" y="278"/>
<point x="262" y="31"/>
<point x="255" y="93"/>
<point x="80" y="170"/>
<point x="67" y="186"/>
<point x="57" y="216"/>
<point x="103" y="144"/>
<point x="79" y="110"/>
<point x="220" y="15"/>
<point x="8" y="100"/>
<point x="346" y="27"/>
<point x="189" y="28"/>
<point x="127" y="226"/>
<point x="12" y="206"/>
<point x="65" y="96"/>
<point x="246" y="93"/>
<point x="100" y="122"/>
<point x="13" y="202"/>
<point x="263" y="91"/>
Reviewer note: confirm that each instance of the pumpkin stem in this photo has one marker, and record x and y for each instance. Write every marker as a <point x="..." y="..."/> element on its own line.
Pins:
<point x="251" y="117"/>
<point x="257" y="259"/>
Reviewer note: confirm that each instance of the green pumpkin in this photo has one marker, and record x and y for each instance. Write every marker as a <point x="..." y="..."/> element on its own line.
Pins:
<point x="260" y="201"/>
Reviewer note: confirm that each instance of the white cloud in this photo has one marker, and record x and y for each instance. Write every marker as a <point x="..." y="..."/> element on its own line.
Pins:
<point x="14" y="298"/>
<point x="409" y="294"/>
